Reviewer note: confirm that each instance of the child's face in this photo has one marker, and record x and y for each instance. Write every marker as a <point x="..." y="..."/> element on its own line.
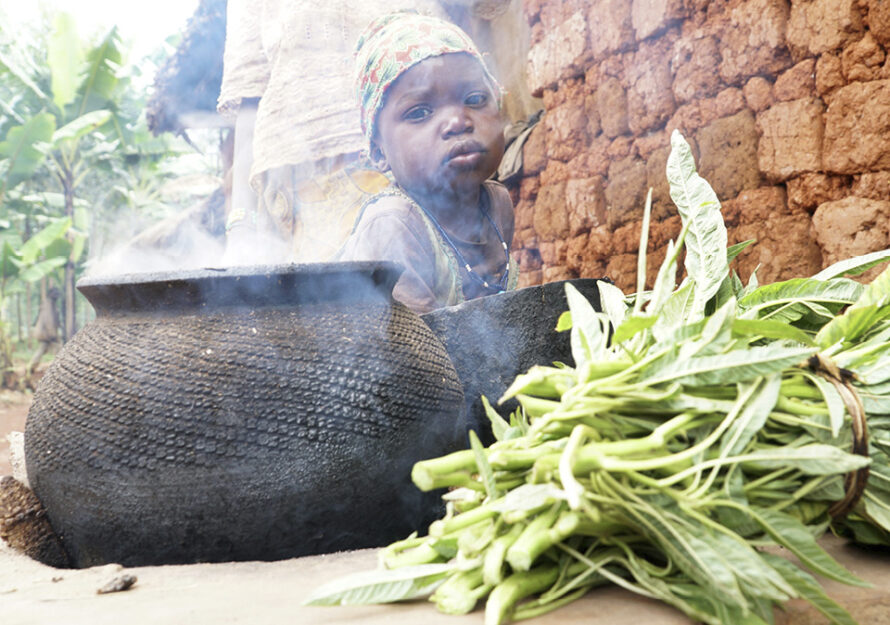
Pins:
<point x="440" y="129"/>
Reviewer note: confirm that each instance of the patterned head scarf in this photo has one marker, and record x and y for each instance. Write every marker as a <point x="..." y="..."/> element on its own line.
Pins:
<point x="394" y="43"/>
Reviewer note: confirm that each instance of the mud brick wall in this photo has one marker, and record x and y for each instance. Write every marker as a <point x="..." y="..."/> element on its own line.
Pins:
<point x="786" y="105"/>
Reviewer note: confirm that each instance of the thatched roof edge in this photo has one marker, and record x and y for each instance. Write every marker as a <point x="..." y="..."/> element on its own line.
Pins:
<point x="189" y="80"/>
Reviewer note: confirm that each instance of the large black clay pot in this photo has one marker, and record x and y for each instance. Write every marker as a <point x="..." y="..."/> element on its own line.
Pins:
<point x="493" y="339"/>
<point x="260" y="413"/>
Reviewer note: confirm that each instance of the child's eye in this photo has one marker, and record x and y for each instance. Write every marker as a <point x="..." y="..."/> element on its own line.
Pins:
<point x="417" y="113"/>
<point x="477" y="98"/>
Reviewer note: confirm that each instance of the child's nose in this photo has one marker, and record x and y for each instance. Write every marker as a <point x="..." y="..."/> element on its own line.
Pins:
<point x="457" y="122"/>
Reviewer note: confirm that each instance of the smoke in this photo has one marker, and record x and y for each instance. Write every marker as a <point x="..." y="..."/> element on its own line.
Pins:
<point x="190" y="248"/>
<point x="191" y="239"/>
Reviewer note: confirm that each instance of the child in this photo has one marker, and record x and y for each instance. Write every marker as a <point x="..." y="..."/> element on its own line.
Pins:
<point x="431" y="112"/>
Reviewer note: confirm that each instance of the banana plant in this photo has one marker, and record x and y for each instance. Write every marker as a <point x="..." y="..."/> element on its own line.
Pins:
<point x="68" y="113"/>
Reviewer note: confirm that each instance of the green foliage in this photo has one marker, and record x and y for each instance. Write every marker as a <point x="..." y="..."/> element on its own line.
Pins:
<point x="64" y="57"/>
<point x="706" y="258"/>
<point x="75" y="153"/>
<point x="22" y="149"/>
<point x="715" y="420"/>
<point x="396" y="585"/>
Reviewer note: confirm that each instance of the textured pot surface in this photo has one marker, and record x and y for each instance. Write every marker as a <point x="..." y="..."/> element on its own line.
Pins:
<point x="493" y="339"/>
<point x="209" y="430"/>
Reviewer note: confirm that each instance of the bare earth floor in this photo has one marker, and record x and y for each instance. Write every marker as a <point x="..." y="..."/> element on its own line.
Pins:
<point x="273" y="592"/>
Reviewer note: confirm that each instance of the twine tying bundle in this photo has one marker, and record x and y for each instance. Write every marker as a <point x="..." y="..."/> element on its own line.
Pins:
<point x="855" y="481"/>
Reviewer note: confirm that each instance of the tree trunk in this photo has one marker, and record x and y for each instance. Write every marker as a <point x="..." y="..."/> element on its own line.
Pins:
<point x="18" y="317"/>
<point x="29" y="309"/>
<point x="69" y="323"/>
<point x="70" y="317"/>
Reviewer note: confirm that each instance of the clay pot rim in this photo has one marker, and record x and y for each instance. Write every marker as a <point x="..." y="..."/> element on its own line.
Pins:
<point x="241" y="286"/>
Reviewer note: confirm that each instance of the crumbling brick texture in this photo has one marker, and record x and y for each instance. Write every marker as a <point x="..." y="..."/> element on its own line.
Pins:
<point x="785" y="103"/>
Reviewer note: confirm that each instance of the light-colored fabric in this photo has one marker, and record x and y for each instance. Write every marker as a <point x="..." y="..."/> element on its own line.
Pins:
<point x="245" y="67"/>
<point x="391" y="226"/>
<point x="394" y="43"/>
<point x="296" y="56"/>
<point x="320" y="212"/>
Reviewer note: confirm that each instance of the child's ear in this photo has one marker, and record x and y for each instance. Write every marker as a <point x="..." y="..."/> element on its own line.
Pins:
<point x="378" y="157"/>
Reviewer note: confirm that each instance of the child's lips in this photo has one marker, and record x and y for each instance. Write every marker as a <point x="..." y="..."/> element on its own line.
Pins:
<point x="465" y="154"/>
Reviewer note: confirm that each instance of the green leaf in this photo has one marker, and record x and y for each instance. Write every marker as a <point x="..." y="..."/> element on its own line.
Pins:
<point x="876" y="374"/>
<point x="78" y="246"/>
<point x="724" y="294"/>
<point x="875" y="404"/>
<point x="564" y="322"/>
<point x="753" y="282"/>
<point x="767" y="328"/>
<point x="81" y="217"/>
<point x="482" y="464"/>
<point x="612" y="300"/>
<point x="731" y="517"/>
<point x="53" y="201"/>
<point x="24" y="75"/>
<point x="21" y="147"/>
<point x="529" y="497"/>
<point x="81" y="126"/>
<point x="813" y="459"/>
<point x="851" y="325"/>
<point x="878" y="510"/>
<point x="877" y="293"/>
<point x="715" y="334"/>
<point x="676" y="311"/>
<point x="720" y="571"/>
<point x="787" y="531"/>
<point x="706" y="239"/>
<point x="864" y="533"/>
<point x="701" y="563"/>
<point x="764" y="392"/>
<point x="631" y="327"/>
<point x="729" y="368"/>
<point x="100" y="83"/>
<point x="738" y="288"/>
<point x="758" y="577"/>
<point x="870" y="308"/>
<point x="853" y="266"/>
<point x="641" y="254"/>
<point x="734" y="250"/>
<point x="759" y="302"/>
<point x="382" y="586"/>
<point x="8" y="268"/>
<point x="42" y="269"/>
<point x="879" y="472"/>
<point x="665" y="281"/>
<point x="59" y="247"/>
<point x="499" y="426"/>
<point x="833" y="401"/>
<point x="587" y="336"/>
<point x="677" y="595"/>
<point x="540" y="381"/>
<point x="65" y="58"/>
<point x="32" y="248"/>
<point x="807" y="587"/>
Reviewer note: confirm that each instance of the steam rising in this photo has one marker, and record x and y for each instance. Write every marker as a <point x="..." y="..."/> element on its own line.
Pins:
<point x="190" y="248"/>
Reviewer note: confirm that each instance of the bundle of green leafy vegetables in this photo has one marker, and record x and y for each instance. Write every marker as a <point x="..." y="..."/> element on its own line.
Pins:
<point x="700" y="424"/>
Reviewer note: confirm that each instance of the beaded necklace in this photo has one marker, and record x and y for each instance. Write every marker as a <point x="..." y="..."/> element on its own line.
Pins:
<point x="501" y="284"/>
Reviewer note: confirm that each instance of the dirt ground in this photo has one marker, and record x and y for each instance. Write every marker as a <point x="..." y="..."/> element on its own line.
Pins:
<point x="258" y="593"/>
<point x="13" y="410"/>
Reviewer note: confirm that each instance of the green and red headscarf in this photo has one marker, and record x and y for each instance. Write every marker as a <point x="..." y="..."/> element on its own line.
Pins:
<point x="392" y="44"/>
